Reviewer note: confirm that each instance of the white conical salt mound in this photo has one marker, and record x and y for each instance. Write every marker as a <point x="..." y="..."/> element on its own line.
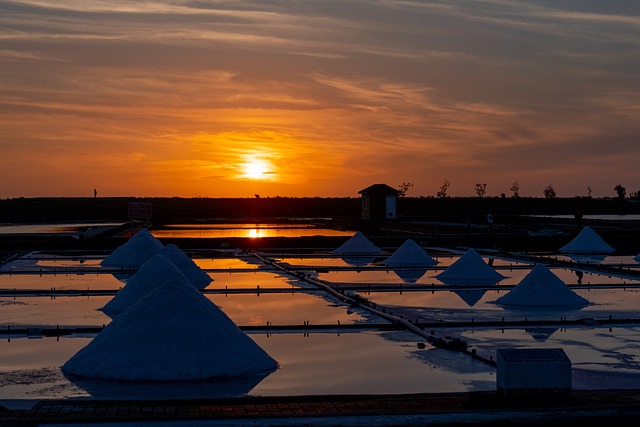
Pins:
<point x="135" y="252"/>
<point x="540" y="287"/>
<point x="470" y="269"/>
<point x="358" y="244"/>
<point x="195" y="274"/>
<point x="174" y="333"/>
<point x="151" y="275"/>
<point x="587" y="241"/>
<point x="637" y="258"/>
<point x="410" y="254"/>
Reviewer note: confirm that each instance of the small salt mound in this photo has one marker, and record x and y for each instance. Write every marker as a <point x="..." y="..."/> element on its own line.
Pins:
<point x="135" y="252"/>
<point x="587" y="241"/>
<point x="469" y="269"/>
<point x="637" y="258"/>
<point x="149" y="277"/>
<point x="410" y="254"/>
<point x="540" y="287"/>
<point x="174" y="333"/>
<point x="358" y="244"/>
<point x="195" y="274"/>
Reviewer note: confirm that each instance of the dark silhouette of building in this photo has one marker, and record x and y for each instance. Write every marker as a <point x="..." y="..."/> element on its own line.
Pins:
<point x="379" y="202"/>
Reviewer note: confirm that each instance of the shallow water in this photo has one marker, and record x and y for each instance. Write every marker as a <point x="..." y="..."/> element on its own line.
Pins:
<point x="244" y="230"/>
<point x="315" y="363"/>
<point x="333" y="360"/>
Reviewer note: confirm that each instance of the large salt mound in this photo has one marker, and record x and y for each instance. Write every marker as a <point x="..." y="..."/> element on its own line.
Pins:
<point x="149" y="277"/>
<point x="195" y="274"/>
<point x="135" y="252"/>
<point x="469" y="269"/>
<point x="410" y="254"/>
<point x="587" y="241"/>
<point x="540" y="287"/>
<point x="358" y="244"/>
<point x="174" y="333"/>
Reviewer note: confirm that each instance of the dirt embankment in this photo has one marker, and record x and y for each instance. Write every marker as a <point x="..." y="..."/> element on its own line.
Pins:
<point x="175" y="209"/>
<point x="432" y="221"/>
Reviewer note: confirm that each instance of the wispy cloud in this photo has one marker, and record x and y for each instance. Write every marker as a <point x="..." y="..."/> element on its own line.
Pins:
<point x="335" y="94"/>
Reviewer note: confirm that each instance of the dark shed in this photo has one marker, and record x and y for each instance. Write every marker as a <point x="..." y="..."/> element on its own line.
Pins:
<point x="379" y="202"/>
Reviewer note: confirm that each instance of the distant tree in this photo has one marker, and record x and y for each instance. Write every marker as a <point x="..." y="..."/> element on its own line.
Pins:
<point x="589" y="192"/>
<point x="515" y="189"/>
<point x="549" y="192"/>
<point x="621" y="191"/>
<point x="404" y="187"/>
<point x="442" y="193"/>
<point x="481" y="190"/>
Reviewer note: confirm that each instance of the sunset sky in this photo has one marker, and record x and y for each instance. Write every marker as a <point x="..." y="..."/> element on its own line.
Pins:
<point x="198" y="98"/>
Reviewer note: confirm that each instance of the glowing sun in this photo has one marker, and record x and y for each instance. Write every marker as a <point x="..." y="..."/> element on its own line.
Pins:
<point x="257" y="168"/>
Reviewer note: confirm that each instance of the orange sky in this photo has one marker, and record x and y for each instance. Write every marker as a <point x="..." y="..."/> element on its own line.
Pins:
<point x="318" y="98"/>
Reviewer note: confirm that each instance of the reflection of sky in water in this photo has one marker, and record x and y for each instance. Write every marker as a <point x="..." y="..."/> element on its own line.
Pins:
<point x="315" y="363"/>
<point x="61" y="281"/>
<point x="363" y="362"/>
<point x="47" y="311"/>
<point x="243" y="230"/>
<point x="612" y="351"/>
<point x="302" y="263"/>
<point x="286" y="309"/>
<point x="243" y="309"/>
<point x="249" y="280"/>
<point x="223" y="263"/>
<point x="52" y="228"/>
<point x="513" y="277"/>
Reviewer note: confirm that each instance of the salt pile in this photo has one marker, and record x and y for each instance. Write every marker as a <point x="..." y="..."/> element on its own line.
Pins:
<point x="637" y="258"/>
<point x="358" y="244"/>
<point x="135" y="252"/>
<point x="587" y="241"/>
<point x="410" y="254"/>
<point x="195" y="274"/>
<point x="410" y="261"/>
<point x="149" y="277"/>
<point x="173" y="333"/>
<point x="358" y="250"/>
<point x="540" y="287"/>
<point x="469" y="269"/>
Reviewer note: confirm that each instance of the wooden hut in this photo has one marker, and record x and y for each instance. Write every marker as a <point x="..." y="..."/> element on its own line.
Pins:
<point x="379" y="202"/>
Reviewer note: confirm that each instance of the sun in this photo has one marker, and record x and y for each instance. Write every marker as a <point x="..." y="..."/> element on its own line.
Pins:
<point x="257" y="169"/>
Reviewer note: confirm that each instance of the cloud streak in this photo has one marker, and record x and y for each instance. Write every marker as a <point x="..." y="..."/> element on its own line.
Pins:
<point x="164" y="98"/>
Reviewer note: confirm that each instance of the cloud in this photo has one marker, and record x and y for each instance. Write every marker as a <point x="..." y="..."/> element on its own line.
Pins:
<point x="336" y="94"/>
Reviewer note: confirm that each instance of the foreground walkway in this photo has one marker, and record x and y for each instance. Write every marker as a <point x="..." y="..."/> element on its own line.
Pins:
<point x="619" y="407"/>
